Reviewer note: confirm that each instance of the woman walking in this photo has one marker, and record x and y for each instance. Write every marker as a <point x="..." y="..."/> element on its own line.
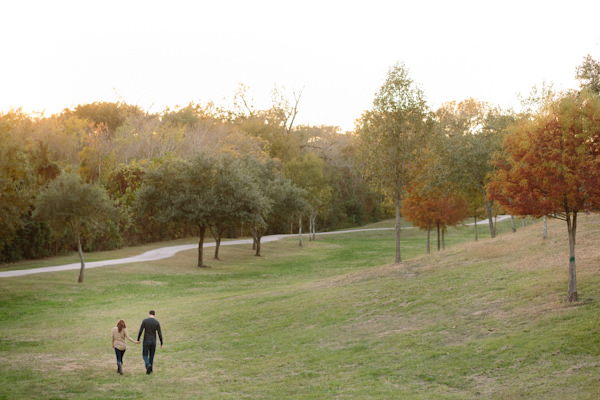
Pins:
<point x="119" y="334"/>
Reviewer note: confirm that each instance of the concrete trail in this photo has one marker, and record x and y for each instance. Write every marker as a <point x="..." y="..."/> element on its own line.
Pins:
<point x="167" y="252"/>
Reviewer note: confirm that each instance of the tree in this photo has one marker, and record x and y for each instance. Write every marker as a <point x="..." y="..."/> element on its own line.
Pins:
<point x="307" y="172"/>
<point x="236" y="196"/>
<point x="122" y="186"/>
<point x="284" y="200"/>
<point x="352" y="201"/>
<point x="588" y="74"/>
<point x="426" y="207"/>
<point x="273" y="126"/>
<point x="391" y="136"/>
<point x="179" y="191"/>
<point x="69" y="203"/>
<point x="61" y="137"/>
<point x="94" y="155"/>
<point x="110" y="114"/>
<point x="284" y="110"/>
<point x="551" y="166"/>
<point x="474" y="132"/>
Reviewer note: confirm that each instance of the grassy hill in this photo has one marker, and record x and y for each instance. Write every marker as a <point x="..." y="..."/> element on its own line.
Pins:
<point x="331" y="320"/>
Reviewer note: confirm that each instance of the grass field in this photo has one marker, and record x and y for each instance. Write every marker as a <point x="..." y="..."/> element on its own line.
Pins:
<point x="334" y="319"/>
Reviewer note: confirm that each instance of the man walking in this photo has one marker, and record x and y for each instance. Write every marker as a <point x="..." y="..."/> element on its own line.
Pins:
<point x="150" y="326"/>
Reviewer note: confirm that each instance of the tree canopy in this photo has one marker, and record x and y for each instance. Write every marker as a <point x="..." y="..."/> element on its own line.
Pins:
<point x="588" y="74"/>
<point x="391" y="136"/>
<point x="551" y="166"/>
<point x="82" y="208"/>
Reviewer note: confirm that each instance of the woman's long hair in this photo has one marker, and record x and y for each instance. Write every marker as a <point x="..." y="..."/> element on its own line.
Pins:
<point x="121" y="325"/>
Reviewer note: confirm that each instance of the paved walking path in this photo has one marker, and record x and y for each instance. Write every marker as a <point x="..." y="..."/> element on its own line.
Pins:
<point x="167" y="252"/>
<point x="152" y="255"/>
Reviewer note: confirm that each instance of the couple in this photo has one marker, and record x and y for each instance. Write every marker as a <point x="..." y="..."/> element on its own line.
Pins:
<point x="150" y="326"/>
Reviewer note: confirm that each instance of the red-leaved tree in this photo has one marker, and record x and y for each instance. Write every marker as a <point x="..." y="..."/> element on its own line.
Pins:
<point x="427" y="209"/>
<point x="551" y="166"/>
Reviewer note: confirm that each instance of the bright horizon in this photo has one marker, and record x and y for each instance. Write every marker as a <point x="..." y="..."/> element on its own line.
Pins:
<point x="59" y="54"/>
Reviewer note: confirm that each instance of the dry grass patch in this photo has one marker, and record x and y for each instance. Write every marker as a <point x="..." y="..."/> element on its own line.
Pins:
<point x="153" y="283"/>
<point x="369" y="273"/>
<point x="46" y="363"/>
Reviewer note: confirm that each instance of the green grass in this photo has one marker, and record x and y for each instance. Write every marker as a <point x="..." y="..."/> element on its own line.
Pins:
<point x="333" y="319"/>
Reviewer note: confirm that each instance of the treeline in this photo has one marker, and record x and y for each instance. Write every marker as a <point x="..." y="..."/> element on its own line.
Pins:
<point x="116" y="147"/>
<point x="200" y="169"/>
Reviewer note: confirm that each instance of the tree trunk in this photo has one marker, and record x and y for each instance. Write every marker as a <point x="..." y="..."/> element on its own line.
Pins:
<point x="545" y="234"/>
<point x="201" y="246"/>
<point x="217" y="247"/>
<point x="428" y="236"/>
<point x="512" y="220"/>
<point x="443" y="239"/>
<point x="475" y="225"/>
<point x="488" y="211"/>
<point x="398" y="257"/>
<point x="82" y="269"/>
<point x="572" y="228"/>
<point x="257" y="234"/>
<point x="257" y="244"/>
<point x="437" y="227"/>
<point x="217" y="233"/>
<point x="300" y="231"/>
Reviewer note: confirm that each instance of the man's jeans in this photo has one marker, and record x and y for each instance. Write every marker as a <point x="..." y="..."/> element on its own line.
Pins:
<point x="148" y="350"/>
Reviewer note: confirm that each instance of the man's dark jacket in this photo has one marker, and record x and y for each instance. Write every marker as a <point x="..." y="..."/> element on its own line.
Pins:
<point x="150" y="326"/>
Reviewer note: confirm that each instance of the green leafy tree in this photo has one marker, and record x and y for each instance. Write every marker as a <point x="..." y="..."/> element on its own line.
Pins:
<point x="236" y="196"/>
<point x="588" y="74"/>
<point x="70" y="203"/>
<point x="284" y="200"/>
<point x="179" y="191"/>
<point x="473" y="133"/>
<point x="308" y="172"/>
<point x="122" y="186"/>
<point x="391" y="136"/>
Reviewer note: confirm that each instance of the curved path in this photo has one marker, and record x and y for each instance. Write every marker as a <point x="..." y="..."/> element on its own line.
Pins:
<point x="153" y="255"/>
<point x="167" y="252"/>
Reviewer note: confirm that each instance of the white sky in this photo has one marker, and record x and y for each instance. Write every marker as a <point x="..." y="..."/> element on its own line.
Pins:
<point x="57" y="54"/>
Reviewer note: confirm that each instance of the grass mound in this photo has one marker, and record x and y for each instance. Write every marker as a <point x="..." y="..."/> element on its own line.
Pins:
<point x="333" y="319"/>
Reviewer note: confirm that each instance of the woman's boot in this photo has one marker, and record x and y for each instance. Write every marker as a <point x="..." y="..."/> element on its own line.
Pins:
<point x="120" y="368"/>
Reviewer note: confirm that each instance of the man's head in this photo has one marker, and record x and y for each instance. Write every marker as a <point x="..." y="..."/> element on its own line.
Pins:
<point x="151" y="313"/>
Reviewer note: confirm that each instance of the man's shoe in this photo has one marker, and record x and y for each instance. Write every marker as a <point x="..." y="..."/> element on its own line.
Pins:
<point x="148" y="370"/>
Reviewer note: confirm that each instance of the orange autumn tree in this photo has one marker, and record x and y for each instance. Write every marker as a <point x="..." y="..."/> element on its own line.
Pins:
<point x="426" y="209"/>
<point x="420" y="211"/>
<point x="453" y="210"/>
<point x="551" y="166"/>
